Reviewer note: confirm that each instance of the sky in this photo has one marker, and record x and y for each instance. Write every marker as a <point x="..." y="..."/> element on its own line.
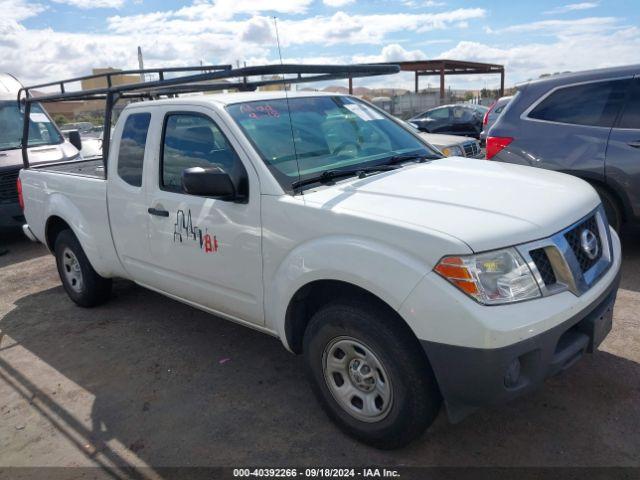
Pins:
<point x="46" y="40"/>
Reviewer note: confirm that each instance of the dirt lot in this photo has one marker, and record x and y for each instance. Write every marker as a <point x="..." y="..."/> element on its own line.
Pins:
<point x="147" y="381"/>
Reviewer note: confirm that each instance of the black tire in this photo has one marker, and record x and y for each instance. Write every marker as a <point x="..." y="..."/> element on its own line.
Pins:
<point x="416" y="398"/>
<point x="93" y="289"/>
<point x="611" y="208"/>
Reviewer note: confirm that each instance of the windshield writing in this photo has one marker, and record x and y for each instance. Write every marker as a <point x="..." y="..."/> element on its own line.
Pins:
<point x="329" y="133"/>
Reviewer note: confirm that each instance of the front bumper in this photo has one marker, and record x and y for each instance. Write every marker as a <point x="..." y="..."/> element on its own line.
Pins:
<point x="470" y="378"/>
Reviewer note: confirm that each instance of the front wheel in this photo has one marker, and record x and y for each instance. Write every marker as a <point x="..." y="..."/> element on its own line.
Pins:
<point x="370" y="374"/>
<point x="81" y="282"/>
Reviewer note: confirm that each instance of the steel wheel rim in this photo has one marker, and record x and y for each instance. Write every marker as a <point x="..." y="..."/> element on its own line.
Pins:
<point x="72" y="271"/>
<point x="357" y="379"/>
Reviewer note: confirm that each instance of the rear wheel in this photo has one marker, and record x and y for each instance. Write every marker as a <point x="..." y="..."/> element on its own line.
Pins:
<point x="81" y="282"/>
<point x="370" y="374"/>
<point x="611" y="208"/>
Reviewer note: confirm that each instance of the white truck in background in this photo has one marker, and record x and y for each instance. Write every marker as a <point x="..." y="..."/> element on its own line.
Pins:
<point x="46" y="145"/>
<point x="403" y="278"/>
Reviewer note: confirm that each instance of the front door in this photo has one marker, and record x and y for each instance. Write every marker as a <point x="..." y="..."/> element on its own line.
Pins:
<point x="623" y="150"/>
<point x="206" y="251"/>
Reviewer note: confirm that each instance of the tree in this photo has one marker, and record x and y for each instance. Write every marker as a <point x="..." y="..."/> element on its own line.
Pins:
<point x="60" y="119"/>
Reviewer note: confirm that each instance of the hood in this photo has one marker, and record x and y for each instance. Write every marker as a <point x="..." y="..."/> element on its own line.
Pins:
<point x="41" y="154"/>
<point x="441" y="140"/>
<point x="485" y="204"/>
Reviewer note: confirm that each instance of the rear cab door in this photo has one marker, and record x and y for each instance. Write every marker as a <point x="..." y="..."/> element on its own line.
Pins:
<point x="131" y="154"/>
<point x="206" y="251"/>
<point x="565" y="128"/>
<point x="623" y="151"/>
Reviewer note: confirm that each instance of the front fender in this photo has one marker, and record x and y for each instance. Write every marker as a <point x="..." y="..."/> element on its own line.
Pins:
<point x="380" y="268"/>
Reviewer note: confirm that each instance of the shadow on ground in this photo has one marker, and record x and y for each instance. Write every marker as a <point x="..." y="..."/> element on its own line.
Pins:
<point x="180" y="387"/>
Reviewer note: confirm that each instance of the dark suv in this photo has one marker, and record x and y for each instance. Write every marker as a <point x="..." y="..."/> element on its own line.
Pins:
<point x="585" y="124"/>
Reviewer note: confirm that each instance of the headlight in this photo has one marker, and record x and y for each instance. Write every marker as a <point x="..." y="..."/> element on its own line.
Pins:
<point x="453" y="151"/>
<point x="492" y="278"/>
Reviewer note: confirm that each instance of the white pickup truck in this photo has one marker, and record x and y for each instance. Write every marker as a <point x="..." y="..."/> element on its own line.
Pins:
<point x="405" y="279"/>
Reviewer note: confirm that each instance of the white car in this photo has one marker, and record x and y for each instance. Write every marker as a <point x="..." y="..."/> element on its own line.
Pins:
<point x="450" y="145"/>
<point x="454" y="145"/>
<point x="404" y="278"/>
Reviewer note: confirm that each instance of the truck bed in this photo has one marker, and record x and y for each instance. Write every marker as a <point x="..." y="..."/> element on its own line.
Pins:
<point x="92" y="167"/>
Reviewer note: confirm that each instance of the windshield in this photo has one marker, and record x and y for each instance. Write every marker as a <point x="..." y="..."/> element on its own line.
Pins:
<point x="330" y="133"/>
<point x="41" y="130"/>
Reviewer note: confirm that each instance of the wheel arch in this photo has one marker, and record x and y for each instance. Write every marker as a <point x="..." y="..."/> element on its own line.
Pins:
<point x="54" y="226"/>
<point x="618" y="196"/>
<point x="312" y="296"/>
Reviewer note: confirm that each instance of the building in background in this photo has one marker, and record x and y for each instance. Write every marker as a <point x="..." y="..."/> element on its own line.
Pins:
<point x="91" y="110"/>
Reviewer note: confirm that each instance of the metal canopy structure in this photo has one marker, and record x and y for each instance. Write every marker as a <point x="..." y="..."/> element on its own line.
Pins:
<point x="442" y="68"/>
<point x="208" y="78"/>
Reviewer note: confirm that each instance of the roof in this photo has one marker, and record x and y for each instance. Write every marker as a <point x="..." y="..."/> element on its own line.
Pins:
<point x="585" y="75"/>
<point x="237" y="97"/>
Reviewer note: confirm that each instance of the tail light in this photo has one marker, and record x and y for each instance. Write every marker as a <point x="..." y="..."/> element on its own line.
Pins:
<point x="496" y="144"/>
<point x="20" y="199"/>
<point x="485" y="119"/>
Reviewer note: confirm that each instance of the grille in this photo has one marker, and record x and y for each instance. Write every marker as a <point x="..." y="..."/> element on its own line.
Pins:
<point x="8" y="189"/>
<point x="573" y="237"/>
<point x="471" y="149"/>
<point x="540" y="258"/>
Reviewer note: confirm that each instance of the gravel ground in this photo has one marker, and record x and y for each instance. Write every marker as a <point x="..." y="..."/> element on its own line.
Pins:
<point x="147" y="381"/>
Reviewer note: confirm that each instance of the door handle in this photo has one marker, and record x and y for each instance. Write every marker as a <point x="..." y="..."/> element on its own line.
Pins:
<point x="635" y="144"/>
<point x="158" y="212"/>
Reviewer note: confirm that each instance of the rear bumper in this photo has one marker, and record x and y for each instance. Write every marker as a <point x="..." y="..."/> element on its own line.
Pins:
<point x="28" y="233"/>
<point x="470" y="378"/>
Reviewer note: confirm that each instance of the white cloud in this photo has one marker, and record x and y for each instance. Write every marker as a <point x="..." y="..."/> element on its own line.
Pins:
<point x="573" y="51"/>
<point x="227" y="9"/>
<point x="340" y="27"/>
<point x="337" y="3"/>
<point x="18" y="10"/>
<point x="562" y="27"/>
<point x="224" y="31"/>
<point x="423" y="3"/>
<point x="391" y="53"/>
<point x="572" y="7"/>
<point x="258" y="30"/>
<point x="87" y="4"/>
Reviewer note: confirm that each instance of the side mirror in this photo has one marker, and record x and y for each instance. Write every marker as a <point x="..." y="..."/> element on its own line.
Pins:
<point x="74" y="139"/>
<point x="208" y="182"/>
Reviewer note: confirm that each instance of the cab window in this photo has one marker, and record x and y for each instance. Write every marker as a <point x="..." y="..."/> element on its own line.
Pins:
<point x="132" y="145"/>
<point x="194" y="140"/>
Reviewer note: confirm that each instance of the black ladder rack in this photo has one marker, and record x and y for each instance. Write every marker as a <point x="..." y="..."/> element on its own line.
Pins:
<point x="204" y="80"/>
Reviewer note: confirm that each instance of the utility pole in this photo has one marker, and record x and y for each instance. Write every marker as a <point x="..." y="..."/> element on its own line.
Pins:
<point x="140" y="63"/>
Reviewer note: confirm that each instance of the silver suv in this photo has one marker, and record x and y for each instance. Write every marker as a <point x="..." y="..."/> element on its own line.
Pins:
<point x="585" y="124"/>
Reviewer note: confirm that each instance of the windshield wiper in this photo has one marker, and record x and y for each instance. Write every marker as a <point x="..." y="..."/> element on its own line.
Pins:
<point x="329" y="175"/>
<point x="405" y="157"/>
